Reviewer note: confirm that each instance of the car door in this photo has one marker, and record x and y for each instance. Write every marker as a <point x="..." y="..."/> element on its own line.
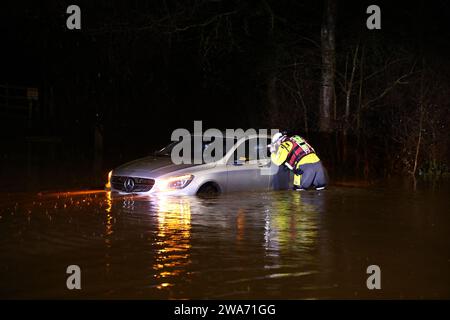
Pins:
<point x="280" y="177"/>
<point x="244" y="167"/>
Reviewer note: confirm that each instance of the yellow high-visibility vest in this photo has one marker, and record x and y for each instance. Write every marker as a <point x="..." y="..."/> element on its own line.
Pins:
<point x="280" y="156"/>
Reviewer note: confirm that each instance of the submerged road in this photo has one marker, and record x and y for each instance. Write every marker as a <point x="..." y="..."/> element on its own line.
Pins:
<point x="274" y="245"/>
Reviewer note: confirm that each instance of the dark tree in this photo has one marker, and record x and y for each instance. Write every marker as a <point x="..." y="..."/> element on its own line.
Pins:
<point x="328" y="43"/>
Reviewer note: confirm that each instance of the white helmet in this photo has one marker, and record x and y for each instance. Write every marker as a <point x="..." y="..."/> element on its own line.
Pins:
<point x="277" y="136"/>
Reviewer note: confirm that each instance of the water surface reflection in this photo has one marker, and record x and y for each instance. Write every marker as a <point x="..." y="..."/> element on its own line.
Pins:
<point x="247" y="245"/>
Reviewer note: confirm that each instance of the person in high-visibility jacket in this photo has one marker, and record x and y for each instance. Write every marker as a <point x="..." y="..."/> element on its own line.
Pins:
<point x="298" y="155"/>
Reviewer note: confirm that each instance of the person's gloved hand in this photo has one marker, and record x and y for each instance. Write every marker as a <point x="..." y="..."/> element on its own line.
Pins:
<point x="272" y="148"/>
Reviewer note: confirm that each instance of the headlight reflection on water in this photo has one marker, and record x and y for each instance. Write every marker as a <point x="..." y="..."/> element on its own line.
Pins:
<point x="109" y="218"/>
<point x="289" y="225"/>
<point x="173" y="239"/>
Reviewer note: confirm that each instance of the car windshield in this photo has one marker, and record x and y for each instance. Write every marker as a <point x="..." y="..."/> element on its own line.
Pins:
<point x="227" y="144"/>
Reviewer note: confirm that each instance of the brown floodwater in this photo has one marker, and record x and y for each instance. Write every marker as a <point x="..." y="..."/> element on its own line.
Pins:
<point x="273" y="245"/>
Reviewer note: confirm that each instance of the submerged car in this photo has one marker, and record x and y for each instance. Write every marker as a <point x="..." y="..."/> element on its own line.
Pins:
<point x="157" y="174"/>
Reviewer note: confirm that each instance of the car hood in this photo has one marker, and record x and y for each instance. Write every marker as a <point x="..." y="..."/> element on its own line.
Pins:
<point x="150" y="167"/>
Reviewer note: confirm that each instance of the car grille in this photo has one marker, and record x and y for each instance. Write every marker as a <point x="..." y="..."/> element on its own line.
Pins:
<point x="131" y="184"/>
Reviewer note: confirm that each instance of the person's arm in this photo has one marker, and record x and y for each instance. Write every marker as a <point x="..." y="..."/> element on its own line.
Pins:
<point x="279" y="157"/>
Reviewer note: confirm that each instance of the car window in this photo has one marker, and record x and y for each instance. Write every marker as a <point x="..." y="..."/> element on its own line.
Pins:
<point x="216" y="154"/>
<point x="208" y="147"/>
<point x="264" y="150"/>
<point x="251" y="150"/>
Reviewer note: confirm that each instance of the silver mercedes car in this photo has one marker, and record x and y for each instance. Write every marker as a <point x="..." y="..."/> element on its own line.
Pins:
<point x="157" y="174"/>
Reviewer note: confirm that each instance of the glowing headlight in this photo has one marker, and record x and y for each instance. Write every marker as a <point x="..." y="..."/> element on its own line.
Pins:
<point x="108" y="184"/>
<point x="175" y="183"/>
